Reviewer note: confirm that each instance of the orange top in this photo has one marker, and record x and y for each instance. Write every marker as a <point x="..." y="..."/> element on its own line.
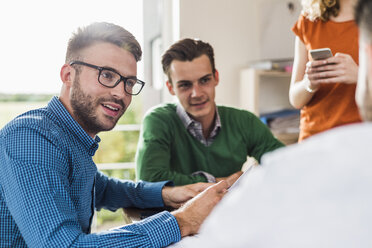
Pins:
<point x="333" y="104"/>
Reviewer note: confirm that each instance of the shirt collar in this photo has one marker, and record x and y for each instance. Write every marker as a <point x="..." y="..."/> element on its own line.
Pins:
<point x="188" y="121"/>
<point x="71" y="125"/>
<point x="185" y="118"/>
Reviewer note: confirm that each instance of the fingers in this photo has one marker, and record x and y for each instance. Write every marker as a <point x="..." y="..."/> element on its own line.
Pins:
<point x="188" y="191"/>
<point x="332" y="70"/>
<point x="214" y="189"/>
<point x="315" y="63"/>
<point x="329" y="66"/>
<point x="232" y="179"/>
<point x="219" y="179"/>
<point x="337" y="59"/>
<point x="220" y="187"/>
<point x="199" y="187"/>
<point x="192" y="190"/>
<point x="341" y="59"/>
<point x="239" y="173"/>
<point x="176" y="205"/>
<point x="325" y="74"/>
<point x="342" y="55"/>
<point x="192" y="214"/>
<point x="177" y="196"/>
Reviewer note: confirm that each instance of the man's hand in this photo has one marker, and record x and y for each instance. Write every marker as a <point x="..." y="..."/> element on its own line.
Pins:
<point x="191" y="215"/>
<point x="176" y="196"/>
<point x="230" y="179"/>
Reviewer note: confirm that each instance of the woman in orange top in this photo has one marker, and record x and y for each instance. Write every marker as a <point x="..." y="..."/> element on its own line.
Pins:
<point x="324" y="90"/>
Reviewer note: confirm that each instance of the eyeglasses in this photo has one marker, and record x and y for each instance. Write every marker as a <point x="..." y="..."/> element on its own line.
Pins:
<point x="110" y="78"/>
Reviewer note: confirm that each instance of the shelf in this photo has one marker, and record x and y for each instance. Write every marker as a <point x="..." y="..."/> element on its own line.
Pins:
<point x="287" y="138"/>
<point x="270" y="73"/>
<point x="264" y="91"/>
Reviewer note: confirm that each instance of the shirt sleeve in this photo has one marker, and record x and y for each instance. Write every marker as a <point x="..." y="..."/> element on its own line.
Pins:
<point x="298" y="28"/>
<point x="158" y="230"/>
<point x="35" y="188"/>
<point x="153" y="157"/>
<point x="113" y="193"/>
<point x="210" y="178"/>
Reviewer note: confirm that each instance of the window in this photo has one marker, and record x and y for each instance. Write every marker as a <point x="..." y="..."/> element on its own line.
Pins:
<point x="32" y="49"/>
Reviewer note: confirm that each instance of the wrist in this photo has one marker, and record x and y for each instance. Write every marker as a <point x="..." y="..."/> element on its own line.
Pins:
<point x="165" y="195"/>
<point x="182" y="224"/>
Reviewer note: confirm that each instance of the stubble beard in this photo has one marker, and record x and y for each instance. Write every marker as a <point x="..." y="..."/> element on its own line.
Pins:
<point x="84" y="108"/>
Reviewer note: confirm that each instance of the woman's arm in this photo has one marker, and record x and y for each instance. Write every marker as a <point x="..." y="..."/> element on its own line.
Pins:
<point x="299" y="91"/>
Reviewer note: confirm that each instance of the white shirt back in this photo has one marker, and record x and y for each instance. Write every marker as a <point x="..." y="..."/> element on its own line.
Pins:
<point x="315" y="194"/>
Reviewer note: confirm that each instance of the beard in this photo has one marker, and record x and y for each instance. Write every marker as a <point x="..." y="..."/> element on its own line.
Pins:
<point x="84" y="108"/>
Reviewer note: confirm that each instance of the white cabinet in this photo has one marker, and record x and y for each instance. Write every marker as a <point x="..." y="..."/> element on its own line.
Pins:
<point x="263" y="92"/>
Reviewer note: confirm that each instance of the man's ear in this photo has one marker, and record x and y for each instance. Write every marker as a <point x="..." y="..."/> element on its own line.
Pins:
<point x="368" y="50"/>
<point x="216" y="77"/>
<point x="170" y="88"/>
<point x="67" y="75"/>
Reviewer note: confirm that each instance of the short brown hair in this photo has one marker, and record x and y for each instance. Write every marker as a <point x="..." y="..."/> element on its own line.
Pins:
<point x="363" y="17"/>
<point x="187" y="50"/>
<point x="102" y="32"/>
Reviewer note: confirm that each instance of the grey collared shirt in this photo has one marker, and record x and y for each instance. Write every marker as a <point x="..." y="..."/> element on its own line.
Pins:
<point x="195" y="129"/>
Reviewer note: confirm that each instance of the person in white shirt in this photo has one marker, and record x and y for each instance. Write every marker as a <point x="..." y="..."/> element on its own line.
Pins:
<point x="314" y="194"/>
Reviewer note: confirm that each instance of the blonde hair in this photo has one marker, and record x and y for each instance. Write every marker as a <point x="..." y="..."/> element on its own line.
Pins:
<point x="320" y="9"/>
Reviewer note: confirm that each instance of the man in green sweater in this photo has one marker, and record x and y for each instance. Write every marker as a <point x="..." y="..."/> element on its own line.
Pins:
<point x="195" y="140"/>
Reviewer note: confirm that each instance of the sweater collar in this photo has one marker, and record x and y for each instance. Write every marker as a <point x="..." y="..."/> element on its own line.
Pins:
<point x="195" y="128"/>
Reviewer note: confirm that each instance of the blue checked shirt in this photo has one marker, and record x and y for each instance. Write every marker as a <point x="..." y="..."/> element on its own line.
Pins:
<point x="50" y="186"/>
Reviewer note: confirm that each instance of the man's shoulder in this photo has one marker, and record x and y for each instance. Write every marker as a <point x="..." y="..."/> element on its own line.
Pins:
<point x="162" y="111"/>
<point x="163" y="108"/>
<point x="232" y="112"/>
<point x="349" y="141"/>
<point x="230" y="109"/>
<point x="38" y="119"/>
<point x="161" y="120"/>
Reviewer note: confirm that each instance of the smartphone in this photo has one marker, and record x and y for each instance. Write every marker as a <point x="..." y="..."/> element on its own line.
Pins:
<point x="320" y="54"/>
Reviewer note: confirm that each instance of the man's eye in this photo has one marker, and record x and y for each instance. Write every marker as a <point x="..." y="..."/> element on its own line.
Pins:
<point x="108" y="75"/>
<point x="184" y="86"/>
<point x="131" y="82"/>
<point x="205" y="80"/>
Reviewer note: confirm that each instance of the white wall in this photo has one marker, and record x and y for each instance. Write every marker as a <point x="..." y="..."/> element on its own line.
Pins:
<point x="240" y="31"/>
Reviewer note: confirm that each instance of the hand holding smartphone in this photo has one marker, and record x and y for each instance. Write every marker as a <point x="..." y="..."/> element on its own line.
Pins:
<point x="321" y="54"/>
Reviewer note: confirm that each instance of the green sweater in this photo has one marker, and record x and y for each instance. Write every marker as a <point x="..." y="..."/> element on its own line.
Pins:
<point x="167" y="151"/>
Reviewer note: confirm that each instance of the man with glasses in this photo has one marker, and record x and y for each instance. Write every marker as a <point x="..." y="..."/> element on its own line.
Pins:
<point x="195" y="140"/>
<point x="49" y="184"/>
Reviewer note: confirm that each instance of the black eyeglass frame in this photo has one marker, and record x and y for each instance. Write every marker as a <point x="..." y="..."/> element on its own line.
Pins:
<point x="100" y="69"/>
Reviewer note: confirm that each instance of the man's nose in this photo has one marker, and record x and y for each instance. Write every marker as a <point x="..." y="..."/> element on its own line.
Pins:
<point x="118" y="91"/>
<point x="196" y="90"/>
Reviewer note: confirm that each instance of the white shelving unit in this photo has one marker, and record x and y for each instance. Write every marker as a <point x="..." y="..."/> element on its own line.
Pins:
<point x="263" y="91"/>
